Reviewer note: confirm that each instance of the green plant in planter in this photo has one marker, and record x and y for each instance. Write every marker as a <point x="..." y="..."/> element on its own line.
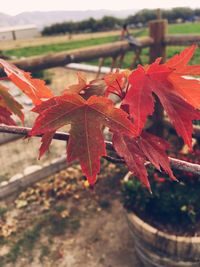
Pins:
<point x="173" y="207"/>
<point x="165" y="224"/>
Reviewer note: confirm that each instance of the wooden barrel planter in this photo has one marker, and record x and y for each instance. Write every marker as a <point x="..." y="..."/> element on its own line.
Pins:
<point x="158" y="249"/>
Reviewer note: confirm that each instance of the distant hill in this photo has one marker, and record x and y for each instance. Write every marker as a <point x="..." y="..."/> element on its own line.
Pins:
<point x="4" y="19"/>
<point x="42" y="19"/>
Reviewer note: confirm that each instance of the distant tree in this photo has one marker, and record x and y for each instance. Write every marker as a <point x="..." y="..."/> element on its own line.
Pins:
<point x="88" y="25"/>
<point x="145" y="15"/>
<point x="184" y="13"/>
<point x="109" y="22"/>
<point x="142" y="16"/>
<point x="197" y="12"/>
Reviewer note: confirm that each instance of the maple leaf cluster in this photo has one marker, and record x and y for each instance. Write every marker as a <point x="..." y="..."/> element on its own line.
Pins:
<point x="88" y="108"/>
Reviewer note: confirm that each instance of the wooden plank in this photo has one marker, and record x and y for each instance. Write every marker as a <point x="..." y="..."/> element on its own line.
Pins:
<point x="7" y="138"/>
<point x="28" y="180"/>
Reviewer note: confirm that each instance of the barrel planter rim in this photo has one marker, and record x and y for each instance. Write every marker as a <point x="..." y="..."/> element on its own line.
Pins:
<point x="151" y="230"/>
<point x="156" y="248"/>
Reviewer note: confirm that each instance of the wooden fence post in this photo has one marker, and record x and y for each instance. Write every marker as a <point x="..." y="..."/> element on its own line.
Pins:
<point x="159" y="13"/>
<point x="157" y="31"/>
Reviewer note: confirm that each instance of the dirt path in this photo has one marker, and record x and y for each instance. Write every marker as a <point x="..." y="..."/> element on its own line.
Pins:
<point x="82" y="228"/>
<point x="102" y="241"/>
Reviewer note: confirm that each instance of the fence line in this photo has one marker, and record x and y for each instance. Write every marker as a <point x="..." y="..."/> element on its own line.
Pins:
<point x="157" y="41"/>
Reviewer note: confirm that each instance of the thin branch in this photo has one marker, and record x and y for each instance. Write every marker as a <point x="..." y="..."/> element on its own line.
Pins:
<point x="114" y="160"/>
<point x="24" y="131"/>
<point x="175" y="163"/>
<point x="184" y="166"/>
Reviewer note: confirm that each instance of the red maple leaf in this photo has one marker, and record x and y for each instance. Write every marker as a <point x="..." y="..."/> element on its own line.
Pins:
<point x="139" y="98"/>
<point x="7" y="101"/>
<point x="180" y="113"/>
<point x="188" y="88"/>
<point x="5" y="116"/>
<point x="48" y="136"/>
<point x="86" y="89"/>
<point x="179" y="62"/>
<point x="165" y="82"/>
<point x="87" y="118"/>
<point x="78" y="87"/>
<point x="115" y="82"/>
<point x="35" y="89"/>
<point x="136" y="151"/>
<point x="46" y="141"/>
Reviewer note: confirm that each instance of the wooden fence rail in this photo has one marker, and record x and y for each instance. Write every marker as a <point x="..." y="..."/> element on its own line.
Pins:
<point x="52" y="60"/>
<point x="181" y="39"/>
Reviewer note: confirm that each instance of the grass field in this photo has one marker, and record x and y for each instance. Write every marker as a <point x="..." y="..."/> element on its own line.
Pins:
<point x="183" y="28"/>
<point x="49" y="46"/>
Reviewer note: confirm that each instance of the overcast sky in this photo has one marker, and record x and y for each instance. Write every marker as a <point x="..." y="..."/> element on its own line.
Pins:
<point x="14" y="7"/>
